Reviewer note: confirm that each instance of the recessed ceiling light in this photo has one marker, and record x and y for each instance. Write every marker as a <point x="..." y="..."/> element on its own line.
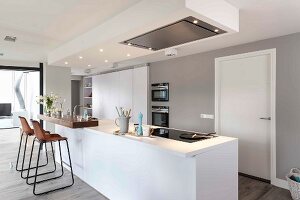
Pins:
<point x="216" y="30"/>
<point x="128" y="55"/>
<point x="101" y="50"/>
<point x="89" y="65"/>
<point x="195" y="21"/>
<point x="80" y="57"/>
<point x="106" y="61"/>
<point x="150" y="48"/>
<point x="129" y="44"/>
<point x="66" y="63"/>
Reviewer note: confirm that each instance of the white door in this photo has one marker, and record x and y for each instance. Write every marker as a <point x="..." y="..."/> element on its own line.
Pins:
<point x="243" y="94"/>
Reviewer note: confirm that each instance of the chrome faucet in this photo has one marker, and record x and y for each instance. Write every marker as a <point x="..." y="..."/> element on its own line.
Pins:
<point x="75" y="107"/>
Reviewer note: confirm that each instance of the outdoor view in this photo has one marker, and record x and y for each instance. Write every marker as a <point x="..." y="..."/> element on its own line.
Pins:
<point x="19" y="90"/>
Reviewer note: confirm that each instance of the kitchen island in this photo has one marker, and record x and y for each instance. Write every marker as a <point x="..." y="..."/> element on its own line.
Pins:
<point x="147" y="168"/>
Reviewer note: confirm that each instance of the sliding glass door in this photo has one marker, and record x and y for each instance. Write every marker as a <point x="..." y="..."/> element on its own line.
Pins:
<point x="19" y="91"/>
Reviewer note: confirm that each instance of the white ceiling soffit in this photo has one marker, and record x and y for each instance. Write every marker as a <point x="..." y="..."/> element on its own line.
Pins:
<point x="41" y="26"/>
<point x="142" y="17"/>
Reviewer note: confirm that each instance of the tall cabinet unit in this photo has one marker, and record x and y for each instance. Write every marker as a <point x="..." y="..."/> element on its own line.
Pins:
<point x="140" y="93"/>
<point x="127" y="88"/>
<point x="88" y="94"/>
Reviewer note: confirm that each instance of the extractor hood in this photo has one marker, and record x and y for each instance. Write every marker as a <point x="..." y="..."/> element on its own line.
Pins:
<point x="183" y="31"/>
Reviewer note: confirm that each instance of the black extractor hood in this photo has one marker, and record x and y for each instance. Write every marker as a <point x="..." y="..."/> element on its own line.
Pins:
<point x="183" y="31"/>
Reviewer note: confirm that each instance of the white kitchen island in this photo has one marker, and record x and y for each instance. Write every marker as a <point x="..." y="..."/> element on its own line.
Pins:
<point x="142" y="168"/>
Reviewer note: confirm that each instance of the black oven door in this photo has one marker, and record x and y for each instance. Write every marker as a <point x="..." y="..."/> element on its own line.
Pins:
<point x="160" y="119"/>
<point x="160" y="95"/>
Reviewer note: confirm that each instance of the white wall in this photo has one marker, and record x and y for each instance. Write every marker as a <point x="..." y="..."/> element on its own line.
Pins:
<point x="58" y="81"/>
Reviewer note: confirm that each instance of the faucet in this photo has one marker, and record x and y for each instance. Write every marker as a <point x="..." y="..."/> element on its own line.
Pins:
<point x="75" y="107"/>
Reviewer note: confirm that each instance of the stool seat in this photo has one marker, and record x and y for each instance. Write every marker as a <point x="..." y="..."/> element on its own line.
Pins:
<point x="53" y="138"/>
<point x="31" y="132"/>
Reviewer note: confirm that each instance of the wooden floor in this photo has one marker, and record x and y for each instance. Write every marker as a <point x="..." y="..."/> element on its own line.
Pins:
<point x="12" y="187"/>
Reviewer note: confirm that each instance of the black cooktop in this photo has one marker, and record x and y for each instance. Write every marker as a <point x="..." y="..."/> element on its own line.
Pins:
<point x="183" y="136"/>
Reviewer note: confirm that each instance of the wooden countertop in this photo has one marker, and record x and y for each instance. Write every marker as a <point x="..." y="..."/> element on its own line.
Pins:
<point x="69" y="122"/>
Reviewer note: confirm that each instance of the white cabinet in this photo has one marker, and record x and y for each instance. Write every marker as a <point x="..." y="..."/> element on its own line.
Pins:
<point x="97" y="98"/>
<point x="127" y="88"/>
<point x="105" y="95"/>
<point x="110" y="96"/>
<point x="140" y="93"/>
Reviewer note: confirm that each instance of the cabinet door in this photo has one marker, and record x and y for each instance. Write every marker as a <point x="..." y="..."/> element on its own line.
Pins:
<point x="110" y="96"/>
<point x="125" y="89"/>
<point x="97" y="96"/>
<point x="140" y="93"/>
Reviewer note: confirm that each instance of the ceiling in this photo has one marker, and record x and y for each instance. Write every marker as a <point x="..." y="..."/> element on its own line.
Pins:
<point x="42" y="27"/>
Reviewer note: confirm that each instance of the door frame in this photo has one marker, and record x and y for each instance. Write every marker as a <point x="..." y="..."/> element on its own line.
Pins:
<point x="272" y="53"/>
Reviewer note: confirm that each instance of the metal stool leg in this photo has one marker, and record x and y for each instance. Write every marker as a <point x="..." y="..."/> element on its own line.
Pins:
<point x="33" y="176"/>
<point x="24" y="156"/>
<point x="70" y="162"/>
<point x="37" y="167"/>
<point x="61" y="161"/>
<point x="30" y="161"/>
<point x="25" y="177"/>
<point x="62" y="172"/>
<point x="21" y="138"/>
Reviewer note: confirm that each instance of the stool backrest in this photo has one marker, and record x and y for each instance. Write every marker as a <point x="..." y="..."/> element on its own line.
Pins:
<point x="25" y="126"/>
<point x="38" y="130"/>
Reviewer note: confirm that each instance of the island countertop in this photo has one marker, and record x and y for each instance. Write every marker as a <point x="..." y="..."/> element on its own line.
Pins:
<point x="69" y="121"/>
<point x="172" y="146"/>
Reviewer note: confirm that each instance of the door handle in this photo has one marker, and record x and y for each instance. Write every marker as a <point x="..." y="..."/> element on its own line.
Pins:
<point x="265" y="118"/>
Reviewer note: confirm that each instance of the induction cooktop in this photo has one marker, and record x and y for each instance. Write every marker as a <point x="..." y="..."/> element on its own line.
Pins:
<point x="184" y="136"/>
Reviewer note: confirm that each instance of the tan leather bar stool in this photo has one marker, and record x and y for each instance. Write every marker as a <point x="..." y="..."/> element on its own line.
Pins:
<point x="43" y="138"/>
<point x="27" y="131"/>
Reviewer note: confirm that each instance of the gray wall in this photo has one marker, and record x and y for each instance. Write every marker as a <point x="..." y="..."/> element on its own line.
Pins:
<point x="192" y="92"/>
<point x="58" y="81"/>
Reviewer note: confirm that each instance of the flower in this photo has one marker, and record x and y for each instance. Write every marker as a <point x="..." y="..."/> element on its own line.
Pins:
<point x="48" y="101"/>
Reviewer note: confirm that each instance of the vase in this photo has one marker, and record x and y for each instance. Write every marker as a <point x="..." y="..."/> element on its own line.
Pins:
<point x="59" y="114"/>
<point x="48" y="113"/>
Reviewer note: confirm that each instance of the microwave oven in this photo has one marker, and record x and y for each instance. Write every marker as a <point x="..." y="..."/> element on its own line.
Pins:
<point x="160" y="91"/>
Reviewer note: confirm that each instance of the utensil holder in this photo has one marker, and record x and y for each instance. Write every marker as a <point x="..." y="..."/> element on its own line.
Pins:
<point x="123" y="123"/>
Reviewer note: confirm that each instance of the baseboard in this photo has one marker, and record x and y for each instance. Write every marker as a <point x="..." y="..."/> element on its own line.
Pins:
<point x="255" y="178"/>
<point x="280" y="183"/>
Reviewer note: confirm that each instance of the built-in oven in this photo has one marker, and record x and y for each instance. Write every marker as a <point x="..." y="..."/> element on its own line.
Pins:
<point x="160" y="116"/>
<point x="160" y="91"/>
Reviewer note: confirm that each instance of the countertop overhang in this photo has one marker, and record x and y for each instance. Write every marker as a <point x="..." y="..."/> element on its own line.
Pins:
<point x="69" y="121"/>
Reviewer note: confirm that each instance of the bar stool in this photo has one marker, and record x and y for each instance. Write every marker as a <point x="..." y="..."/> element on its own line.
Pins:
<point x="28" y="132"/>
<point x="43" y="138"/>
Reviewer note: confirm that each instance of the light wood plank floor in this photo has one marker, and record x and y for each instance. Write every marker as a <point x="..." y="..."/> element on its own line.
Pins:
<point x="12" y="187"/>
